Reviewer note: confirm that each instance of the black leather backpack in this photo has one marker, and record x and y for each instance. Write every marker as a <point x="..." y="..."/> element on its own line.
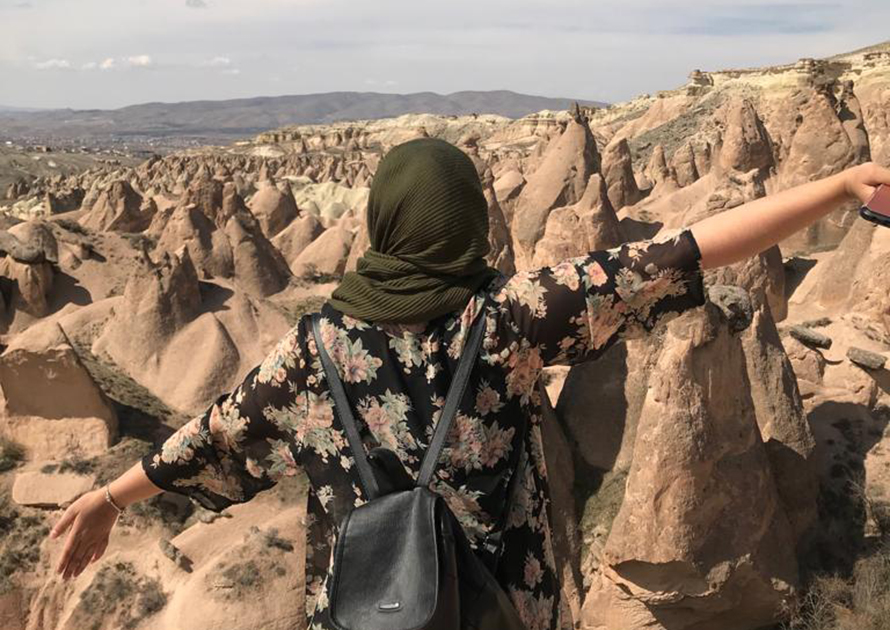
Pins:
<point x="402" y="560"/>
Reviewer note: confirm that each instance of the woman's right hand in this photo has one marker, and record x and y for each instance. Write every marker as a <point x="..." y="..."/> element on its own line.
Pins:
<point x="89" y="521"/>
<point x="860" y="182"/>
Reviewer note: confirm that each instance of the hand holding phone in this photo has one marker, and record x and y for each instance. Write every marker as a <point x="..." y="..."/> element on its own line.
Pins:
<point x="877" y="209"/>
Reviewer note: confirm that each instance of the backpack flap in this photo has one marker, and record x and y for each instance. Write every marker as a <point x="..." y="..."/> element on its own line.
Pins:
<point x="388" y="566"/>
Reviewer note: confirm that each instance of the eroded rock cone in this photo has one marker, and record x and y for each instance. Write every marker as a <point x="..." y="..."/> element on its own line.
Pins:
<point x="746" y="143"/>
<point x="119" y="208"/>
<point x="260" y="269"/>
<point x="560" y="180"/>
<point x="76" y="420"/>
<point x="27" y="284"/>
<point x="658" y="172"/>
<point x="683" y="165"/>
<point x="850" y="114"/>
<point x="619" y="175"/>
<point x="274" y="208"/>
<point x="701" y="539"/>
<point x="576" y="230"/>
<point x="507" y="186"/>
<point x="223" y="238"/>
<point x="500" y="255"/>
<point x="327" y="254"/>
<point x="783" y="424"/>
<point x="298" y="236"/>
<point x="819" y="132"/>
<point x="853" y="278"/>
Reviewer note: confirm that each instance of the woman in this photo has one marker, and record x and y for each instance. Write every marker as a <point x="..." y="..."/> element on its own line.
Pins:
<point x="395" y="329"/>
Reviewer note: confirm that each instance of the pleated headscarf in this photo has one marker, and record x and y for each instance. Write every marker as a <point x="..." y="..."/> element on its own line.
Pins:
<point x="428" y="226"/>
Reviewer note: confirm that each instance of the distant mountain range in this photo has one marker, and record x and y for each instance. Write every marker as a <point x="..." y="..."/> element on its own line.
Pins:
<point x="209" y="121"/>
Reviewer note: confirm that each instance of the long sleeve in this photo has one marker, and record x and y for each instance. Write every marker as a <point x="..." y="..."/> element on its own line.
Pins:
<point x="573" y="311"/>
<point x="243" y="443"/>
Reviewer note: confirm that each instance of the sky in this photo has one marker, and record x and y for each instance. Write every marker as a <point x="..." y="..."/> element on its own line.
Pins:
<point x="88" y="54"/>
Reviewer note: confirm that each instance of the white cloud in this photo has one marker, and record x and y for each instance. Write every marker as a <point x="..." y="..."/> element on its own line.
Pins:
<point x="140" y="61"/>
<point x="196" y="4"/>
<point x="53" y="64"/>
<point x="219" y="62"/>
<point x="89" y="65"/>
<point x="231" y="71"/>
<point x="107" y="64"/>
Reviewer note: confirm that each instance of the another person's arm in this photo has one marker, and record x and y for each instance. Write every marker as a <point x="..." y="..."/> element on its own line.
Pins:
<point x="749" y="229"/>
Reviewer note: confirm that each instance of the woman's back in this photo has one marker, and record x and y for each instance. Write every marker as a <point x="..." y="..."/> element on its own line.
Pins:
<point x="281" y="419"/>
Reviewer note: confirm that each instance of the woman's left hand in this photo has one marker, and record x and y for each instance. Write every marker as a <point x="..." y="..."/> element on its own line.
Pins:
<point x="860" y="182"/>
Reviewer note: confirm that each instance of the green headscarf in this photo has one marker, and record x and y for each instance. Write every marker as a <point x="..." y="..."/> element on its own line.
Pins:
<point x="428" y="227"/>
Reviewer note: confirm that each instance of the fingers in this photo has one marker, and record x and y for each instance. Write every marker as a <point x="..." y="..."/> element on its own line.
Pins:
<point x="68" y="549"/>
<point x="100" y="549"/>
<point x="863" y="192"/>
<point x="64" y="522"/>
<point x="82" y="559"/>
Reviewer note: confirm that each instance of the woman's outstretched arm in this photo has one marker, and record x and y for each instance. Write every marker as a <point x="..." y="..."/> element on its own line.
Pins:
<point x="90" y="518"/>
<point x="749" y="229"/>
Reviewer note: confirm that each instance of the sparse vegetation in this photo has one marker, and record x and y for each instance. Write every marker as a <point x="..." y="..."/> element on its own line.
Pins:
<point x="118" y="597"/>
<point x="599" y="508"/>
<point x="11" y="453"/>
<point x="858" y="602"/>
<point x="20" y="537"/>
<point x="311" y="274"/>
<point x="257" y="562"/>
<point x="294" y="310"/>
<point x="72" y="226"/>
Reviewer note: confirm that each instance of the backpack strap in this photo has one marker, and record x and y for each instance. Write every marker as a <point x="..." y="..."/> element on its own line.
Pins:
<point x="452" y="400"/>
<point x="341" y="404"/>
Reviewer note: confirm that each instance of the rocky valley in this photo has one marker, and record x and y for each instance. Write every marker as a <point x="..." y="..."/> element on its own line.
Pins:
<point x="730" y="471"/>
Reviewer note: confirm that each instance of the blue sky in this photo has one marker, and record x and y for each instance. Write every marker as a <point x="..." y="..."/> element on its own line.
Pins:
<point x="111" y="53"/>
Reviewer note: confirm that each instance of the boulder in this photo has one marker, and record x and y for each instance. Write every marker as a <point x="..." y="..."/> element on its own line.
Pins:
<point x="817" y="131"/>
<point x="866" y="358"/>
<point x="52" y="490"/>
<point x="75" y="420"/>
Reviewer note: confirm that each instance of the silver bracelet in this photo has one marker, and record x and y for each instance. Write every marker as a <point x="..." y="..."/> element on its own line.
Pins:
<point x="110" y="500"/>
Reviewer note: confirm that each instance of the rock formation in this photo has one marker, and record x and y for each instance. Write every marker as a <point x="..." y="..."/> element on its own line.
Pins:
<point x="580" y="228"/>
<point x="119" y="208"/>
<point x="274" y="208"/>
<point x="619" y="175"/>
<point x="560" y="180"/>
<point x="73" y="418"/>
<point x="701" y="538"/>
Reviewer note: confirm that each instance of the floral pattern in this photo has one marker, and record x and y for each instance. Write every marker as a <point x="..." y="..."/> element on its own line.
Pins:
<point x="281" y="418"/>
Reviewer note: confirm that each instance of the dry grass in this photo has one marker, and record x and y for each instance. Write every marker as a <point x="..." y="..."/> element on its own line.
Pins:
<point x="860" y="602"/>
<point x="119" y="597"/>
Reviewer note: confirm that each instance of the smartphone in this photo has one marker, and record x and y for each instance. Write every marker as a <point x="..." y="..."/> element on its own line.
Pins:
<point x="877" y="208"/>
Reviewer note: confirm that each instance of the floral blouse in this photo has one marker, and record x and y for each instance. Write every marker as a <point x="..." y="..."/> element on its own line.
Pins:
<point x="281" y="418"/>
